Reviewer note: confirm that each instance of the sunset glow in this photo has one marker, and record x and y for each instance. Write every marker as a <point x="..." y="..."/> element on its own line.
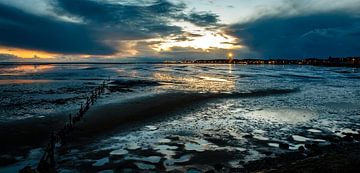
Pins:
<point x="202" y="38"/>
<point x="150" y="30"/>
<point x="179" y="86"/>
<point x="24" y="53"/>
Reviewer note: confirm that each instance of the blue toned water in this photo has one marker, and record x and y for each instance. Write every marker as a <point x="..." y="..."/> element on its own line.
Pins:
<point x="40" y="90"/>
<point x="257" y="107"/>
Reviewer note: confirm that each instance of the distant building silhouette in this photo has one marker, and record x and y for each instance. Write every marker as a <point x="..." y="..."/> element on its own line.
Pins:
<point x="346" y="62"/>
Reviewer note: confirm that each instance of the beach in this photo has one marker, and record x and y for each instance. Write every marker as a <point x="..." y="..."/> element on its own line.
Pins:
<point x="196" y="118"/>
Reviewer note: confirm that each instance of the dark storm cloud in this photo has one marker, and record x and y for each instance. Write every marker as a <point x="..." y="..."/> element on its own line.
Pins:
<point x="23" y="30"/>
<point x="98" y="21"/>
<point x="125" y="21"/>
<point x="93" y="27"/>
<point x="203" y="19"/>
<point x="187" y="36"/>
<point x="314" y="35"/>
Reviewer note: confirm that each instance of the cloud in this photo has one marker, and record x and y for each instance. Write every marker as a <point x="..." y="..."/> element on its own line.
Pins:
<point x="91" y="27"/>
<point x="313" y="35"/>
<point x="203" y="18"/>
<point x="123" y="21"/>
<point x="28" y="31"/>
<point x="257" y="9"/>
<point x="9" y="58"/>
<point x="4" y="58"/>
<point x="190" y="53"/>
<point x="108" y="28"/>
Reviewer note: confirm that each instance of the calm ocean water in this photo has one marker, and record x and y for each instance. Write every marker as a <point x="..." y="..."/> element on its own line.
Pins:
<point x="322" y="100"/>
<point x="39" y="90"/>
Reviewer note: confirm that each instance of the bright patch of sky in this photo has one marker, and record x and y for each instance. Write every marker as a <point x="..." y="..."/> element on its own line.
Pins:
<point x="207" y="39"/>
<point x="235" y="11"/>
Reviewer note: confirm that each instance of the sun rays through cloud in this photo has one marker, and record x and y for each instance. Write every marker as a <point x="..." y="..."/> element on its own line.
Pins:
<point x="197" y="38"/>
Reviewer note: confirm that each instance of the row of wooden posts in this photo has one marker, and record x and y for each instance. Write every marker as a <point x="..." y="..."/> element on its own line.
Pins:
<point x="47" y="162"/>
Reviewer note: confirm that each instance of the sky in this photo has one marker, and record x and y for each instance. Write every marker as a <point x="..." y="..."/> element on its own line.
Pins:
<point x="150" y="30"/>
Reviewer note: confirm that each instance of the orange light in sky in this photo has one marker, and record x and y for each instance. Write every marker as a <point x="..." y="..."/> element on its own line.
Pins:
<point x="25" y="53"/>
<point x="206" y="39"/>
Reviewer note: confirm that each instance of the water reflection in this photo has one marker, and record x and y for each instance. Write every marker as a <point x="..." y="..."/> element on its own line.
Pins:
<point x="230" y="67"/>
<point x="24" y="69"/>
<point x="22" y="81"/>
<point x="282" y="115"/>
<point x="199" y="83"/>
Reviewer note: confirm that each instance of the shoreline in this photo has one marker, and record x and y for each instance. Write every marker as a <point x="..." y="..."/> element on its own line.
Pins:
<point x="22" y="135"/>
<point x="102" y="120"/>
<point x="336" y="157"/>
<point x="351" y="62"/>
<point x="121" y="112"/>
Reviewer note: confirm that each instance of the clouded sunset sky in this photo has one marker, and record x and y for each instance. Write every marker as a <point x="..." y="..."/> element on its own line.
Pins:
<point x="108" y="30"/>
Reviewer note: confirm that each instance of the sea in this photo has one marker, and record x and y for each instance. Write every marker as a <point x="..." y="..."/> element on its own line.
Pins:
<point x="254" y="109"/>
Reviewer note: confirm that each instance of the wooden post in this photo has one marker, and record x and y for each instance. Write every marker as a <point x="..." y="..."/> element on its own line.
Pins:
<point x="52" y="150"/>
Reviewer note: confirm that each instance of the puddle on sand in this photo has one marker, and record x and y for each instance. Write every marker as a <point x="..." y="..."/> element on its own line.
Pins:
<point x="240" y="149"/>
<point x="314" y="130"/>
<point x="165" y="147"/>
<point x="166" y="150"/>
<point x="194" y="147"/>
<point x="119" y="152"/>
<point x="347" y="130"/>
<point x="164" y="140"/>
<point x="291" y="146"/>
<point x="282" y="115"/>
<point x="150" y="159"/>
<point x="260" y="137"/>
<point x="273" y="144"/>
<point x="152" y="128"/>
<point x="168" y="163"/>
<point x="199" y="145"/>
<point x="132" y="146"/>
<point x="305" y="139"/>
<point x="344" y="131"/>
<point x="101" y="162"/>
<point x="144" y="166"/>
<point x="295" y="147"/>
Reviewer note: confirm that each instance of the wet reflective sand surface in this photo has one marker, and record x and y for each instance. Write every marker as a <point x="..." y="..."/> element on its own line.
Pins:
<point x="233" y="115"/>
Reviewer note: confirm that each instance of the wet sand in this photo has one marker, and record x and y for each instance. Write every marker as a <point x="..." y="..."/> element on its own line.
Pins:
<point x="341" y="157"/>
<point x="102" y="120"/>
<point x="124" y="115"/>
<point x="22" y="135"/>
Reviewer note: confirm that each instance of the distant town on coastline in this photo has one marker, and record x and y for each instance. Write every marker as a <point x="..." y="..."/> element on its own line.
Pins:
<point x="331" y="61"/>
